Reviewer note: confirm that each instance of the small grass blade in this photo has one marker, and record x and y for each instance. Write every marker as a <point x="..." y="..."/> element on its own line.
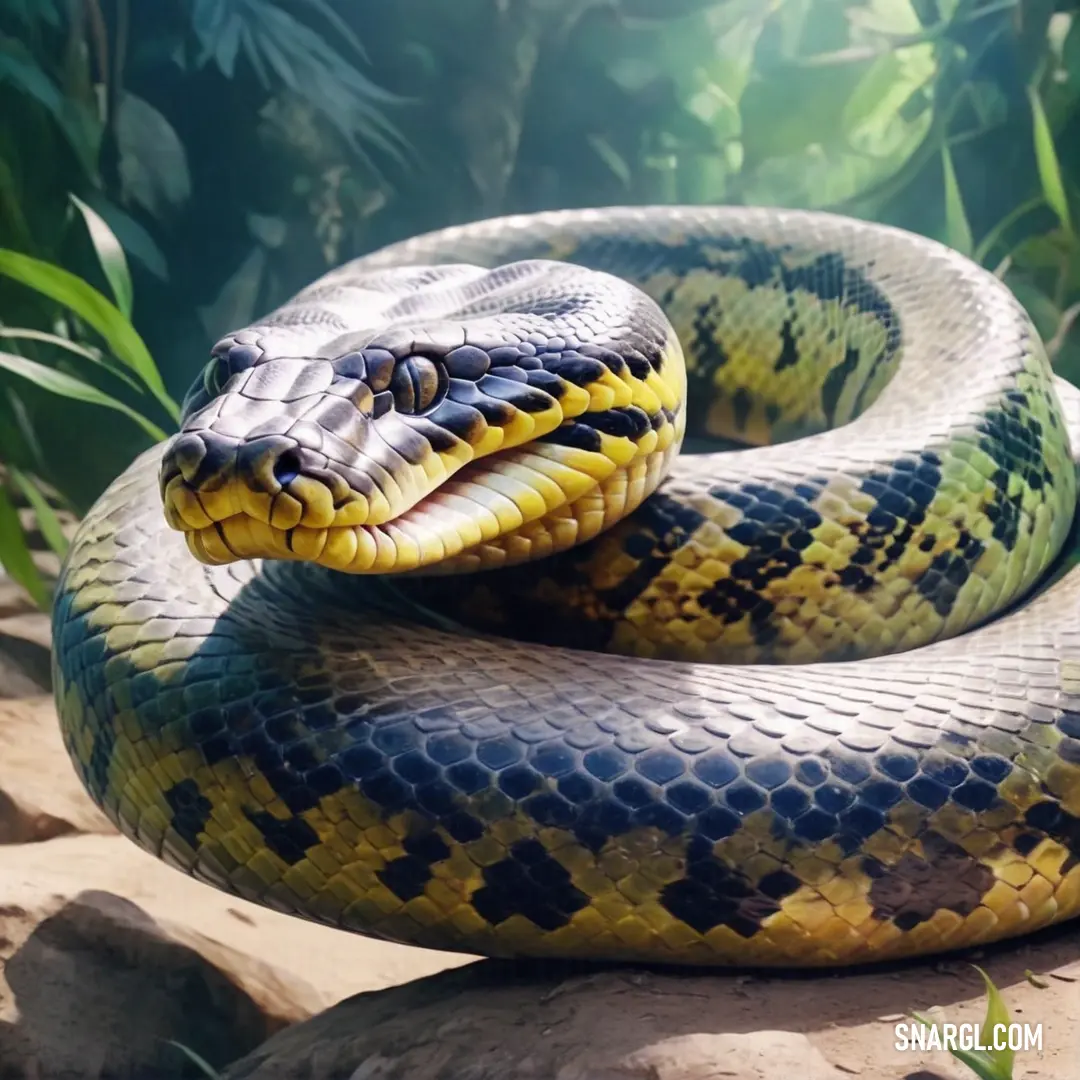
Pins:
<point x="996" y="1014"/>
<point x="15" y="555"/>
<point x="957" y="228"/>
<point x="1047" y="161"/>
<point x="197" y="1060"/>
<point x="48" y="522"/>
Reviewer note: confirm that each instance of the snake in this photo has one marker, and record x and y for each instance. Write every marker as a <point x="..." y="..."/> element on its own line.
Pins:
<point x="673" y="584"/>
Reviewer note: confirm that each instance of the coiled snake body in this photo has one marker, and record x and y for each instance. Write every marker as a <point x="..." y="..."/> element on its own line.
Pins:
<point x="764" y="706"/>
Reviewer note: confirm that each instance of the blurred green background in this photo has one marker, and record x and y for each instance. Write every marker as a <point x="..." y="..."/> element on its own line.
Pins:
<point x="171" y="169"/>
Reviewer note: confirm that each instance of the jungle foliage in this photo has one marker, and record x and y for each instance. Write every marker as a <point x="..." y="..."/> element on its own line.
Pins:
<point x="169" y="170"/>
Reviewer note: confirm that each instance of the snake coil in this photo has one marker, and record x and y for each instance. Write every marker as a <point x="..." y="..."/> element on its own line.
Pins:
<point x="796" y="703"/>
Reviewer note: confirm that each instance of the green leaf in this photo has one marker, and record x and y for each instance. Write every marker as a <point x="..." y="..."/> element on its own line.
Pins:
<point x="48" y="522"/>
<point x="197" y="1060"/>
<point x="995" y="235"/>
<point x="772" y="128"/>
<point x="1047" y="160"/>
<point x="153" y="162"/>
<point x="981" y="1064"/>
<point x="875" y="117"/>
<point x="57" y="382"/>
<point x="15" y="555"/>
<point x="95" y="310"/>
<point x="87" y="353"/>
<point x="957" y="228"/>
<point x="12" y="219"/>
<point x="612" y="159"/>
<point x="137" y="243"/>
<point x="111" y="256"/>
<point x="81" y="129"/>
<point x="996" y="1014"/>
<point x="272" y="39"/>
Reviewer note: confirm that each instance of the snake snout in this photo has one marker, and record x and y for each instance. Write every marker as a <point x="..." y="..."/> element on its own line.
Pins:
<point x="197" y="460"/>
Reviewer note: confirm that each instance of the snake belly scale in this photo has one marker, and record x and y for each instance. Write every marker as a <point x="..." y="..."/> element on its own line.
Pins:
<point x="795" y="704"/>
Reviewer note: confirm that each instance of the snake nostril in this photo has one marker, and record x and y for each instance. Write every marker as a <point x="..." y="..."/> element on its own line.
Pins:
<point x="287" y="467"/>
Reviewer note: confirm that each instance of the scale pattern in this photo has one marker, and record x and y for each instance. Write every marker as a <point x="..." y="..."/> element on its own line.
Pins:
<point x="314" y="743"/>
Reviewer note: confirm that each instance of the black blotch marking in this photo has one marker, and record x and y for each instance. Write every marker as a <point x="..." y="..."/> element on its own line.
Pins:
<point x="287" y="839"/>
<point x="741" y="404"/>
<point x="1012" y="438"/>
<point x="519" y="394"/>
<point x="911" y="890"/>
<point x="530" y="883"/>
<point x="715" y="894"/>
<point x="1026" y="843"/>
<point x="669" y="524"/>
<point x="903" y="493"/>
<point x="407" y="876"/>
<point x="789" y="350"/>
<point x="705" y="355"/>
<point x="775" y="526"/>
<point x="97" y="770"/>
<point x="827" y="276"/>
<point x="835" y="381"/>
<point x="191" y="810"/>
<point x="584" y="432"/>
<point x="1052" y="819"/>
<point x="574" y="368"/>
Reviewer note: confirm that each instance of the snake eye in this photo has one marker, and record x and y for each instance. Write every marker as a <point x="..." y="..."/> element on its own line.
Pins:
<point x="417" y="384"/>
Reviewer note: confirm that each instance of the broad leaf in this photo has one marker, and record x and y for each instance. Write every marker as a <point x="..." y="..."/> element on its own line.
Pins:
<point x="95" y="356"/>
<point x="58" y="382"/>
<point x="95" y="310"/>
<point x="111" y="256"/>
<point x="153" y="163"/>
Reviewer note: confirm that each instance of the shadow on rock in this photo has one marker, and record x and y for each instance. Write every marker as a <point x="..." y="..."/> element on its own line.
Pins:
<point x="101" y="990"/>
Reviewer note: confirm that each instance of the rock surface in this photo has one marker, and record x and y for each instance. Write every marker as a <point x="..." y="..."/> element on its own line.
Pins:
<point x="496" y="1021"/>
<point x="106" y="955"/>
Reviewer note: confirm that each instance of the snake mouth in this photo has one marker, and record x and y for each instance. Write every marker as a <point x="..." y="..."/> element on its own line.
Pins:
<point x="482" y="502"/>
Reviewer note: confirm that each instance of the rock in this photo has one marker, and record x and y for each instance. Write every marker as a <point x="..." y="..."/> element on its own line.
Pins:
<point x="103" y="991"/>
<point x="498" y="1020"/>
<point x="24" y="655"/>
<point x="13" y="598"/>
<point x="91" y="928"/>
<point x="40" y="795"/>
<point x="41" y="878"/>
<point x="756" y="1055"/>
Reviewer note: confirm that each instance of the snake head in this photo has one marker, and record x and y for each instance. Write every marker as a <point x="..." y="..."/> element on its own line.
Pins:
<point x="483" y="402"/>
